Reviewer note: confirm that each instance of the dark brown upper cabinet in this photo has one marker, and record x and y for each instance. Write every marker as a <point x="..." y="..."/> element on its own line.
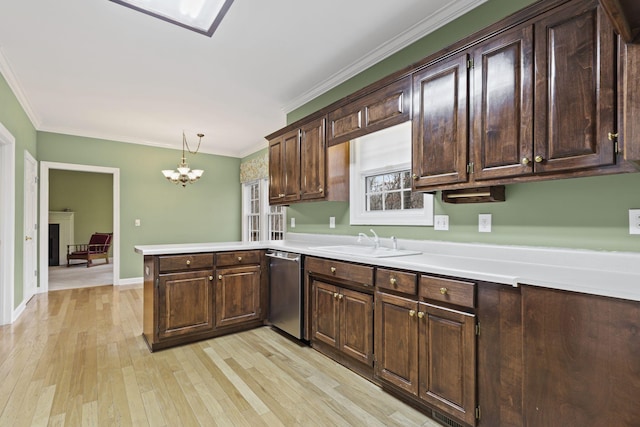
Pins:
<point x="440" y="123"/>
<point x="302" y="168"/>
<point x="388" y="106"/>
<point x="502" y="106"/>
<point x="284" y="168"/>
<point x="575" y="94"/>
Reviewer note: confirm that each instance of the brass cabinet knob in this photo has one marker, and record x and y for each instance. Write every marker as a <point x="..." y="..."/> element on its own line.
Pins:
<point x="420" y="315"/>
<point x="188" y="262"/>
<point x="333" y="269"/>
<point x="210" y="278"/>
<point x="239" y="258"/>
<point x="219" y="276"/>
<point x="612" y="136"/>
<point x="414" y="176"/>
<point x="281" y="195"/>
<point x="335" y="295"/>
<point x="393" y="281"/>
<point x="539" y="159"/>
<point x="412" y="313"/>
<point x="340" y="296"/>
<point x="525" y="161"/>
<point x="320" y="189"/>
<point x="444" y="291"/>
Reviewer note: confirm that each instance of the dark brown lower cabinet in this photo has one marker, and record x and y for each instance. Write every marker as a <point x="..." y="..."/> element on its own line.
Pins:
<point x="238" y="295"/>
<point x="428" y="351"/>
<point x="581" y="359"/>
<point x="343" y="320"/>
<point x="185" y="302"/>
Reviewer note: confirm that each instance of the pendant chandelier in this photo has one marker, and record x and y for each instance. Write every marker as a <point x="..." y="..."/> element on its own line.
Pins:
<point x="184" y="174"/>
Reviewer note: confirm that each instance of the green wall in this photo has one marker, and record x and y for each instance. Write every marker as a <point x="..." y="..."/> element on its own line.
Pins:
<point x="89" y="195"/>
<point x="207" y="211"/>
<point x="14" y="118"/>
<point x="590" y="213"/>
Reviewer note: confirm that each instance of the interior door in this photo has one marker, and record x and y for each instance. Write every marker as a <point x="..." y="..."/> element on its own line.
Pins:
<point x="30" y="248"/>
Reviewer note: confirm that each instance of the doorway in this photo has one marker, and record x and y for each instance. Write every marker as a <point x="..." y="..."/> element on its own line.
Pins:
<point x="7" y="223"/>
<point x="45" y="167"/>
<point x="30" y="227"/>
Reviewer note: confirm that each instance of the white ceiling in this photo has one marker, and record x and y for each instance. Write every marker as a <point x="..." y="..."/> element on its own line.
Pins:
<point x="95" y="68"/>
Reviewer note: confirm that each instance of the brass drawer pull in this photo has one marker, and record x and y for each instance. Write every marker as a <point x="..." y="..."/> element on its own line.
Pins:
<point x="333" y="269"/>
<point x="239" y="258"/>
<point x="219" y="276"/>
<point x="393" y="281"/>
<point x="525" y="161"/>
<point x="539" y="159"/>
<point x="420" y="315"/>
<point x="210" y="278"/>
<point x="340" y="296"/>
<point x="335" y="295"/>
<point x="412" y="313"/>
<point x="188" y="262"/>
<point x="444" y="291"/>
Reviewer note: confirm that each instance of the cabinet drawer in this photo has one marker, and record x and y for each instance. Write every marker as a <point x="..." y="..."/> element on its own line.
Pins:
<point x="238" y="258"/>
<point x="361" y="274"/>
<point x="397" y="281"/>
<point x="448" y="290"/>
<point x="185" y="262"/>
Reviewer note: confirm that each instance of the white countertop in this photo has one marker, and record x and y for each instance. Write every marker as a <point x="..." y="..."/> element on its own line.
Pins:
<point x="612" y="274"/>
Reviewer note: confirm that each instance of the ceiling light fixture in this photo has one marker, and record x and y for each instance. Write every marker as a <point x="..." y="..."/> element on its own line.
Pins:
<point x="201" y="16"/>
<point x="184" y="174"/>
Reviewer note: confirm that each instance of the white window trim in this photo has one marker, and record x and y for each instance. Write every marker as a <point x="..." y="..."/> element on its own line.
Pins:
<point x="358" y="214"/>
<point x="264" y="210"/>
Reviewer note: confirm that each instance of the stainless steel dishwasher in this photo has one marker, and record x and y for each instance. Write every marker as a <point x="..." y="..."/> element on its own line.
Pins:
<point x="285" y="305"/>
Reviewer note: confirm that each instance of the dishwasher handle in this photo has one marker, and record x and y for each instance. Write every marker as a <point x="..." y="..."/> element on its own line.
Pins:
<point x="296" y="259"/>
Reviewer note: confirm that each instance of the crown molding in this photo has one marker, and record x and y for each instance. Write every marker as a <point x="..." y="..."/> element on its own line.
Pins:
<point x="428" y="25"/>
<point x="16" y="88"/>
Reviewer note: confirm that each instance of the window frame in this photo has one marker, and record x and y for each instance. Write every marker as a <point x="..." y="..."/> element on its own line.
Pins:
<point x="265" y="214"/>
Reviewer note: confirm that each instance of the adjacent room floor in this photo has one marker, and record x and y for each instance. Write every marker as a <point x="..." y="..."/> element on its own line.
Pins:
<point x="77" y="357"/>
<point x="79" y="276"/>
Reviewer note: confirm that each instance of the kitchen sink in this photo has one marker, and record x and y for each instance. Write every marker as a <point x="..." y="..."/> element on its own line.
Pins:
<point x="368" y="251"/>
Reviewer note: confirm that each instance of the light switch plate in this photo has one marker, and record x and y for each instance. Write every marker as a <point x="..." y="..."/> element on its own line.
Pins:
<point x="293" y="223"/>
<point x="137" y="223"/>
<point x="441" y="222"/>
<point x="484" y="223"/>
<point x="332" y="222"/>
<point x="634" y="221"/>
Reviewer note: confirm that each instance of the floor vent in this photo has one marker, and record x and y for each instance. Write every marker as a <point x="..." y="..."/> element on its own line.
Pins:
<point x="443" y="419"/>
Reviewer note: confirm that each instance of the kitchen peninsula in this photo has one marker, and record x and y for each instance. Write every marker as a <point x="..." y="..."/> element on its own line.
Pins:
<point x="476" y="334"/>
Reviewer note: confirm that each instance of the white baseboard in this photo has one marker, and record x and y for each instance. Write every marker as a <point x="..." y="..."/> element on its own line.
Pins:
<point x="130" y="281"/>
<point x="18" y="311"/>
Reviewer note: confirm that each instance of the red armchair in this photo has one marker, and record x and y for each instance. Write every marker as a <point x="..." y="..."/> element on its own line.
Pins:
<point x="98" y="247"/>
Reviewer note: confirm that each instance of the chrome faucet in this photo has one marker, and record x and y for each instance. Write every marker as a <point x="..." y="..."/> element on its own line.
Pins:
<point x="376" y="239"/>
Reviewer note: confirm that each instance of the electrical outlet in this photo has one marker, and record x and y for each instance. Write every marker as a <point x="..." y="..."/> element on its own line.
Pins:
<point x="293" y="223"/>
<point x="332" y="222"/>
<point x="484" y="223"/>
<point x="441" y="222"/>
<point x="634" y="221"/>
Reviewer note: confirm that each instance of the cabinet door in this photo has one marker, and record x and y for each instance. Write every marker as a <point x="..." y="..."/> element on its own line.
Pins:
<point x="284" y="168"/>
<point x="356" y="325"/>
<point x="396" y="341"/>
<point x="447" y="364"/>
<point x="185" y="303"/>
<point x="237" y="295"/>
<point x="440" y="123"/>
<point x="575" y="99"/>
<point x="276" y="171"/>
<point x="325" y="323"/>
<point x="502" y="133"/>
<point x="312" y="160"/>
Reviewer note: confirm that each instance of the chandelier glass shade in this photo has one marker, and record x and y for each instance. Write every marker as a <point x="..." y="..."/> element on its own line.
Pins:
<point x="184" y="174"/>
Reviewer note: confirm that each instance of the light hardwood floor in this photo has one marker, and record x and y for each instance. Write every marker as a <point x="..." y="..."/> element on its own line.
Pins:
<point x="76" y="358"/>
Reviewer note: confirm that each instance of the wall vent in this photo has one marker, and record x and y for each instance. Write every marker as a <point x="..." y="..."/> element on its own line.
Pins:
<point x="444" y="420"/>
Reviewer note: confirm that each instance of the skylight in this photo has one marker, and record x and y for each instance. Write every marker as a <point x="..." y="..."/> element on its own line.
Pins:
<point x="201" y="16"/>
